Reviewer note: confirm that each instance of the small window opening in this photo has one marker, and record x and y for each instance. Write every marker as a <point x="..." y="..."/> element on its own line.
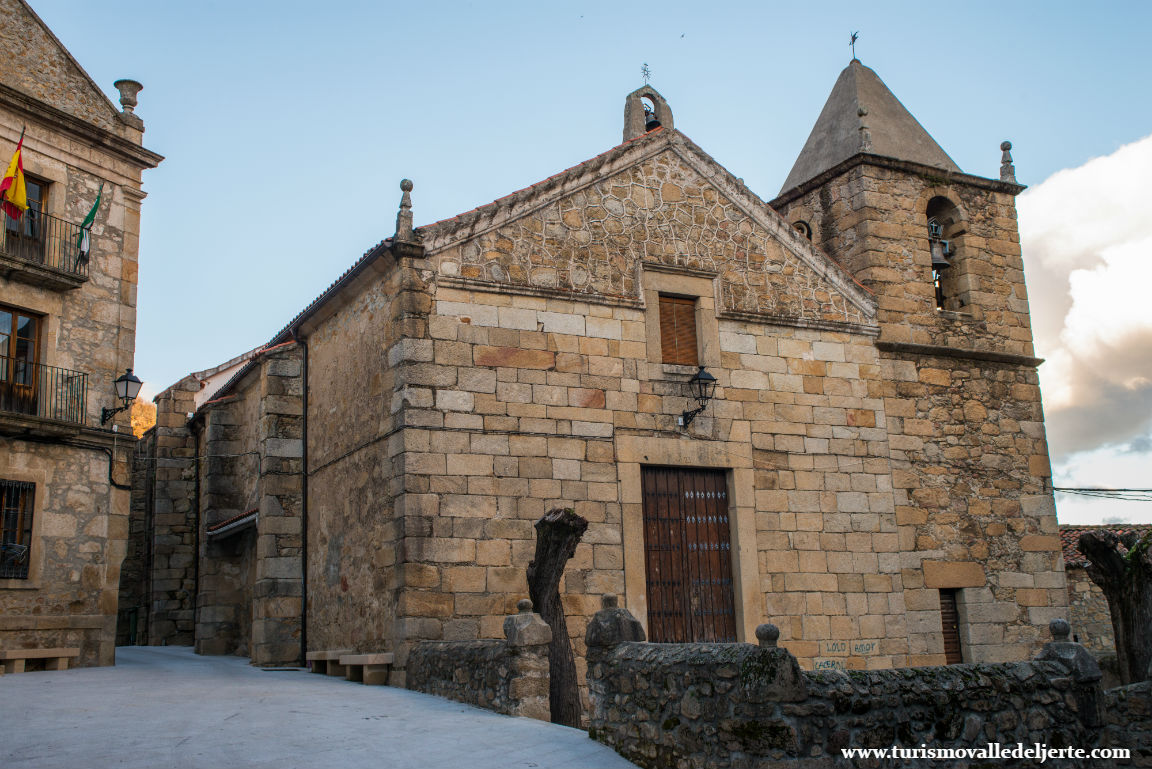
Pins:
<point x="950" y="626"/>
<point x="802" y="227"/>
<point x="678" y="330"/>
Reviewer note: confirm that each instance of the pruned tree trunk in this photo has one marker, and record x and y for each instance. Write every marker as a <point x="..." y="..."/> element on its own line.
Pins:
<point x="557" y="535"/>
<point x="1122" y="567"/>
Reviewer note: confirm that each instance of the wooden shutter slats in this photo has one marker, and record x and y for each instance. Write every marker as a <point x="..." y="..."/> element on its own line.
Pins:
<point x="678" y="330"/>
<point x="950" y="622"/>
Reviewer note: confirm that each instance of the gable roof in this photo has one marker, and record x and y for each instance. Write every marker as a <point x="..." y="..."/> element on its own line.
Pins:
<point x="442" y="234"/>
<point x="1070" y="538"/>
<point x="37" y="64"/>
<point x="837" y="135"/>
<point x="448" y="232"/>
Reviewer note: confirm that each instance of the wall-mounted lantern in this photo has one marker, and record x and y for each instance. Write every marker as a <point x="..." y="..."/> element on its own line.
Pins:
<point x="703" y="387"/>
<point x="127" y="388"/>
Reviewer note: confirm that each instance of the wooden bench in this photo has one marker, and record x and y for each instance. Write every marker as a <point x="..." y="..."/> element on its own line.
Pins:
<point x="327" y="662"/>
<point x="367" y="668"/>
<point x="54" y="659"/>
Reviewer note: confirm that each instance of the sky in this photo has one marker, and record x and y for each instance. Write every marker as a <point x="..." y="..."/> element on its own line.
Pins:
<point x="287" y="127"/>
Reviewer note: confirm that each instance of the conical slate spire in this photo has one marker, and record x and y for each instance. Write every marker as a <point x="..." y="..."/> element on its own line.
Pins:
<point x="862" y="115"/>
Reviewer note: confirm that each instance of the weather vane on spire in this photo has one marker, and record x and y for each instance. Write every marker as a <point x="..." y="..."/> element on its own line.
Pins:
<point x="852" y="42"/>
<point x="645" y="72"/>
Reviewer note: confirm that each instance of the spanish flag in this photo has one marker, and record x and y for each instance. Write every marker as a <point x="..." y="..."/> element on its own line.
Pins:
<point x="13" y="193"/>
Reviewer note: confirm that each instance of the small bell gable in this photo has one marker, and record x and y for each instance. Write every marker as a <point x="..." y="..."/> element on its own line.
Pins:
<point x="645" y="110"/>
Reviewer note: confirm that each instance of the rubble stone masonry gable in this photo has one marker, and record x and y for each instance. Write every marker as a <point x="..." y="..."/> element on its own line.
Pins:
<point x="36" y="64"/>
<point x="665" y="203"/>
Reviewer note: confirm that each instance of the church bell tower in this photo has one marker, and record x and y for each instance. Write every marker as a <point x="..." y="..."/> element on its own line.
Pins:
<point x="940" y="250"/>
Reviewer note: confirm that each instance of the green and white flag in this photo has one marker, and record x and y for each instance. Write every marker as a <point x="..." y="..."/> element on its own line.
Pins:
<point x="84" y="243"/>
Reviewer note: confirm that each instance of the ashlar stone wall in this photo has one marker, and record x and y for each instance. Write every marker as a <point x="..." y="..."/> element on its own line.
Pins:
<point x="556" y="395"/>
<point x="361" y="362"/>
<point x="251" y="584"/>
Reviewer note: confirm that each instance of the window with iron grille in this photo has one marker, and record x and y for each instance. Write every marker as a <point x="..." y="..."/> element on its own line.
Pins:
<point x="16" y="498"/>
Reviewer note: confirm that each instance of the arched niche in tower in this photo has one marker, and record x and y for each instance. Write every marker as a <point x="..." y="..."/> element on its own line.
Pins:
<point x="946" y="228"/>
<point x="644" y="110"/>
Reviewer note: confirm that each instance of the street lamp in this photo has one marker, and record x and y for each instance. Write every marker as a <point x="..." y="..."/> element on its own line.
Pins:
<point x="127" y="388"/>
<point x="703" y="386"/>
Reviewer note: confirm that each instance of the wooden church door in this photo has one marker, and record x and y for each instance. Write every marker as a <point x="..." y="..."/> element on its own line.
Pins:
<point x="687" y="555"/>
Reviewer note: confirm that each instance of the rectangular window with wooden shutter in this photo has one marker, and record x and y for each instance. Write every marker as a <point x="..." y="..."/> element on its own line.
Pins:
<point x="950" y="625"/>
<point x="678" y="330"/>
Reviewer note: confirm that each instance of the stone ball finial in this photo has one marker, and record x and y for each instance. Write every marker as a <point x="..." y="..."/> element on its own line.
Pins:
<point x="128" y="90"/>
<point x="524" y="606"/>
<point x="1007" y="170"/>
<point x="406" y="185"/>
<point x="767" y="634"/>
<point x="609" y="601"/>
<point x="1059" y="629"/>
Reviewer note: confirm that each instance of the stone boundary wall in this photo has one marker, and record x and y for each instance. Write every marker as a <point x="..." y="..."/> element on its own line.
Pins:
<point x="509" y="676"/>
<point x="1124" y="707"/>
<point x="739" y="705"/>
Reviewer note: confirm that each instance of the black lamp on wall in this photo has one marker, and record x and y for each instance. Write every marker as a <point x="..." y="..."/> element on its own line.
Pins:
<point x="703" y="387"/>
<point x="127" y="388"/>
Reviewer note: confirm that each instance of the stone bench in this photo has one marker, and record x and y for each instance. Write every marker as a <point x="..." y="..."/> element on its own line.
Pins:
<point x="367" y="668"/>
<point x="327" y="662"/>
<point x="54" y="659"/>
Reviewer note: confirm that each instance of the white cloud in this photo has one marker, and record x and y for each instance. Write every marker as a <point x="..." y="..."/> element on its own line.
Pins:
<point x="1109" y="467"/>
<point x="1086" y="234"/>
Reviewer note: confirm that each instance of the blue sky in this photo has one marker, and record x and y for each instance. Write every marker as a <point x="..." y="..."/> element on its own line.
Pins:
<point x="288" y="125"/>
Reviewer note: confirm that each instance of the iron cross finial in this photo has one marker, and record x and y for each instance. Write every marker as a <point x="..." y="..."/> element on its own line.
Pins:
<point x="852" y="42"/>
<point x="645" y="72"/>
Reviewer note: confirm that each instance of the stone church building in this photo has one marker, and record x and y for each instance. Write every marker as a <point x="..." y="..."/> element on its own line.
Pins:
<point x="870" y="472"/>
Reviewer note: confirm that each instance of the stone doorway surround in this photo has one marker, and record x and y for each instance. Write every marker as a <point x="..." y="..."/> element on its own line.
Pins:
<point x="633" y="452"/>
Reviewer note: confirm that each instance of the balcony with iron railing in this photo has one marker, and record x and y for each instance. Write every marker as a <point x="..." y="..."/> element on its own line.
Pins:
<point x="43" y="250"/>
<point x="39" y="399"/>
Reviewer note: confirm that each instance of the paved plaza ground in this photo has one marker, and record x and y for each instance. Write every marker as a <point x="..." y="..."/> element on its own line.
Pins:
<point x="167" y="707"/>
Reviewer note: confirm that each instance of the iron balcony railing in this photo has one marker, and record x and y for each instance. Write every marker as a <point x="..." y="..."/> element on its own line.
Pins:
<point x="43" y="239"/>
<point x="42" y="391"/>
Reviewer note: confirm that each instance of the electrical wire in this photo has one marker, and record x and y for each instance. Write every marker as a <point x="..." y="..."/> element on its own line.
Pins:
<point x="1126" y="495"/>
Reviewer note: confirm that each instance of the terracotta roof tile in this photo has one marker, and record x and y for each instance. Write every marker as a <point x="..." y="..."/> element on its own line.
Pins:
<point x="221" y="524"/>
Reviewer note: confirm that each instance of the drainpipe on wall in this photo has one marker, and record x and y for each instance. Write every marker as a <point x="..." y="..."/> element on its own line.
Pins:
<point x="195" y="428"/>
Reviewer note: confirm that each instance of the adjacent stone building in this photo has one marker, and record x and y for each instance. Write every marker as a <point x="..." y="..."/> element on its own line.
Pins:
<point x="870" y="472"/>
<point x="67" y="331"/>
<point x="1087" y="607"/>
